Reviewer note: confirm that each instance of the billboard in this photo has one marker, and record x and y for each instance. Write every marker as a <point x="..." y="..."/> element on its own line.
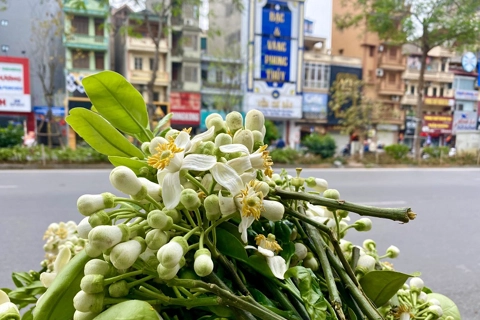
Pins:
<point x="315" y="105"/>
<point x="464" y="121"/>
<point x="15" y="85"/>
<point x="437" y="124"/>
<point x="337" y="72"/>
<point x="185" y="107"/>
<point x="275" y="39"/>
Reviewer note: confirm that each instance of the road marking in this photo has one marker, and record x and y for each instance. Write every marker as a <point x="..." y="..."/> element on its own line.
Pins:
<point x="382" y="203"/>
<point x="8" y="186"/>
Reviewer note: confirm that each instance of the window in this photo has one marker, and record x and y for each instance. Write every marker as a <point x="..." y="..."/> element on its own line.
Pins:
<point x="150" y="61"/>
<point x="80" y="25"/>
<point x="138" y="64"/>
<point x="204" y="75"/>
<point x="459" y="106"/>
<point x="393" y="53"/>
<point x="391" y="78"/>
<point x="156" y="96"/>
<point x="5" y="48"/>
<point x="99" y="26"/>
<point x="340" y="52"/>
<point x="412" y="89"/>
<point x="444" y="66"/>
<point x="425" y="90"/>
<point x="219" y="76"/>
<point x="190" y="41"/>
<point x="203" y="44"/>
<point x="99" y="60"/>
<point x="81" y="60"/>
<point x="371" y="51"/>
<point x="434" y="93"/>
<point x="441" y="92"/>
<point x="190" y="74"/>
<point x="464" y="83"/>
<point x="316" y="75"/>
<point x="4" y="23"/>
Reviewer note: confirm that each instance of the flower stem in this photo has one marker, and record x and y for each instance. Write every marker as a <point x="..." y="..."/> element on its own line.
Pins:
<point x="121" y="277"/>
<point x="156" y="204"/>
<point x="395" y="214"/>
<point x="189" y="303"/>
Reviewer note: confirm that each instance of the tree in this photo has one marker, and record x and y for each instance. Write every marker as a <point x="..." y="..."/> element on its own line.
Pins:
<point x="47" y="31"/>
<point x="425" y="24"/>
<point x="355" y="111"/>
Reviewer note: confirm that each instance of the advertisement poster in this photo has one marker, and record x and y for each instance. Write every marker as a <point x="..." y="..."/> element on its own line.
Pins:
<point x="437" y="124"/>
<point x="315" y="105"/>
<point x="337" y="72"/>
<point x="185" y="107"/>
<point x="14" y="85"/>
<point x="464" y="121"/>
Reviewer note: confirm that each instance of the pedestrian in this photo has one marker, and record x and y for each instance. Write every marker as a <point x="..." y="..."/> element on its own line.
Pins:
<point x="280" y="144"/>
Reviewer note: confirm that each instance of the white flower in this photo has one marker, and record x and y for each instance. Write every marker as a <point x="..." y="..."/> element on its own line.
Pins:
<point x="268" y="247"/>
<point x="172" y="157"/>
<point x="61" y="261"/>
<point x="8" y="310"/>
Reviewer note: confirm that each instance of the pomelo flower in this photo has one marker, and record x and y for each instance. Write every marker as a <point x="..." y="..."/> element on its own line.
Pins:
<point x="61" y="261"/>
<point x="268" y="247"/>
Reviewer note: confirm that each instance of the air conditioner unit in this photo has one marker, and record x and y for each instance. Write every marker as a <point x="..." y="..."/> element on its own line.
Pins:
<point x="380" y="48"/>
<point x="379" y="72"/>
<point x="395" y="98"/>
<point x="189" y="22"/>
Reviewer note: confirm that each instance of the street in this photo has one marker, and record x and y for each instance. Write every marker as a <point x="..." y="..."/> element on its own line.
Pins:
<point x="441" y="243"/>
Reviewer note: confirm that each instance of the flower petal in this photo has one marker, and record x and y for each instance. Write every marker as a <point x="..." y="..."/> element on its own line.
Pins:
<point x="248" y="176"/>
<point x="257" y="160"/>
<point x="171" y="189"/>
<point x="198" y="162"/>
<point x="161" y="175"/>
<point x="47" y="278"/>
<point x="278" y="266"/>
<point x="240" y="164"/>
<point x="227" y="178"/>
<point x="250" y="247"/>
<point x="227" y="204"/>
<point x="244" y="225"/>
<point x="205" y="136"/>
<point x="236" y="147"/>
<point x="176" y="162"/>
<point x="265" y="252"/>
<point x="183" y="140"/>
<point x="62" y="259"/>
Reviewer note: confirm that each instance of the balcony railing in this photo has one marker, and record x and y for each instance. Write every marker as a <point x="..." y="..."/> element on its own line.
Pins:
<point x="221" y="85"/>
<point x="433" y="76"/>
<point x="145" y="44"/>
<point x="84" y="40"/>
<point x="145" y="75"/>
<point x="316" y="84"/>
<point x="389" y="114"/>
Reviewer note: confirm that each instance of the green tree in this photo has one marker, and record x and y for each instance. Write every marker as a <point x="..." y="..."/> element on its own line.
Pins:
<point x="425" y="24"/>
<point x="355" y="111"/>
<point x="271" y="132"/>
<point x="323" y="145"/>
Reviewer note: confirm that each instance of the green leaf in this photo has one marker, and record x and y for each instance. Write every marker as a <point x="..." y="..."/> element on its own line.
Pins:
<point x="133" y="164"/>
<point x="267" y="303"/>
<point x="21" y="279"/>
<point x="448" y="306"/>
<point x="119" y="102"/>
<point x="100" y="134"/>
<point x="28" y="315"/>
<point x="233" y="229"/>
<point x="351" y="314"/>
<point x="259" y="264"/>
<point x="380" y="286"/>
<point x="162" y="122"/>
<point x="230" y="246"/>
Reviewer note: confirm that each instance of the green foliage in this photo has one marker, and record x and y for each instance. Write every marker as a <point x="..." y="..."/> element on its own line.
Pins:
<point x="11" y="136"/>
<point x="20" y="154"/>
<point x="381" y="285"/>
<point x="397" y="151"/>
<point x="323" y="145"/>
<point x="271" y="132"/>
<point x="435" y="152"/>
<point x="285" y="155"/>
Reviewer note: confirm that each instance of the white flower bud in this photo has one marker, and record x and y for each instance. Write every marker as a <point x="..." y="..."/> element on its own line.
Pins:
<point x="88" y="204"/>
<point x="254" y="120"/>
<point x="363" y="224"/>
<point x="126" y="181"/>
<point x="332" y="194"/>
<point x="170" y="254"/>
<point x="153" y="189"/>
<point x="92" y="283"/>
<point x="9" y="311"/>
<point x="159" y="220"/>
<point x="311" y="262"/>
<point x="436" y="311"/>
<point x="244" y="137"/>
<point x="262" y="187"/>
<point x="203" y="264"/>
<point x="172" y="133"/>
<point x="211" y="117"/>
<point x="416" y="284"/>
<point x="124" y="254"/>
<point x="167" y="273"/>
<point x="212" y="207"/>
<point x="273" y="210"/>
<point x="393" y="252"/>
<point x="155" y="239"/>
<point x="433" y="301"/>
<point x="190" y="200"/>
<point x="105" y="237"/>
<point x="422" y="297"/>
<point x="97" y="266"/>
<point x="319" y="185"/>
<point x="365" y="264"/>
<point x="86" y="302"/>
<point x="369" y="245"/>
<point x="227" y="204"/>
<point x="223" y="139"/>
<point x="84" y="228"/>
<point x="234" y="121"/>
<point x="78" y="315"/>
<point x="300" y="250"/>
<point x="219" y="124"/>
<point x="154" y="144"/>
<point x="118" y="289"/>
<point x="346" y="246"/>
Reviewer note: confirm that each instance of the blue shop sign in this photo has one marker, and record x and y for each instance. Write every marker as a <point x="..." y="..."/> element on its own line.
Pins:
<point x="56" y="111"/>
<point x="277" y="19"/>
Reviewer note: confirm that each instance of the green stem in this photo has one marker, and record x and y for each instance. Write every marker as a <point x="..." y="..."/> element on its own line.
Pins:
<point x="189" y="303"/>
<point x="187" y="215"/>
<point x="180" y="228"/>
<point x="218" y="222"/>
<point x="137" y="282"/>
<point x="395" y="214"/>
<point x="212" y="187"/>
<point x="185" y="292"/>
<point x="199" y="218"/>
<point x="282" y="299"/>
<point x="156" y="204"/>
<point x="190" y="233"/>
<point x="135" y="202"/>
<point x="195" y="182"/>
<point x="337" y="223"/>
<point x="121" y="277"/>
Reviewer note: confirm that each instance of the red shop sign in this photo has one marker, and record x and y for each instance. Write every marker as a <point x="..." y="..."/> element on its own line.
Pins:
<point x="185" y="107"/>
<point x="437" y="124"/>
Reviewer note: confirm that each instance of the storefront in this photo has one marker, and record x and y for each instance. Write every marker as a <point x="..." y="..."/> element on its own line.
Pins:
<point x="57" y="127"/>
<point x="185" y="107"/>
<point x="436" y="129"/>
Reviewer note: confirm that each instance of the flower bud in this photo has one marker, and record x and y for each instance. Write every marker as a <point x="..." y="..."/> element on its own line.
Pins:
<point x="91" y="203"/>
<point x="159" y="220"/>
<point x="118" y="289"/>
<point x="208" y="148"/>
<point x="190" y="200"/>
<point x="203" y="264"/>
<point x="104" y="237"/>
<point x="124" y="254"/>
<point x="92" y="283"/>
<point x="254" y="120"/>
<point x="219" y="125"/>
<point x="433" y="301"/>
<point x="262" y="187"/>
<point x="369" y="245"/>
<point x="174" y="214"/>
<point x="332" y="194"/>
<point x="416" y="284"/>
<point x="167" y="273"/>
<point x="365" y="264"/>
<point x="92" y="251"/>
<point x="154" y="190"/>
<point x="154" y="144"/>
<point x="346" y="246"/>
<point x="300" y="251"/>
<point x="170" y="254"/>
<point x="393" y="252"/>
<point x="422" y="297"/>
<point x="149" y="256"/>
<point x="244" y="137"/>
<point x="297" y="182"/>
<point x="78" y="315"/>
<point x="126" y="181"/>
<point x="273" y="210"/>
<point x="83" y="228"/>
<point x="145" y="148"/>
<point x="319" y="185"/>
<point x="223" y="139"/>
<point x="436" y="311"/>
<point x="8" y="310"/>
<point x="342" y="214"/>
<point x="97" y="266"/>
<point x="156" y="239"/>
<point x="99" y="218"/>
<point x="234" y="121"/>
<point x="363" y="224"/>
<point x="227" y="204"/>
<point x="210" y="118"/>
<point x="310" y="262"/>
<point x="86" y="302"/>
<point x="212" y="207"/>
<point x="172" y="133"/>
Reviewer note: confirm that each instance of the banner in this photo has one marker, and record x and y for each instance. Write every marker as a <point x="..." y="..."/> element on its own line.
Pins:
<point x="464" y="121"/>
<point x="15" y="85"/>
<point x="437" y="124"/>
<point x="185" y="107"/>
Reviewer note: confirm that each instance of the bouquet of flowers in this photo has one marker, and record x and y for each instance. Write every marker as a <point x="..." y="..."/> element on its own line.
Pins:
<point x="203" y="228"/>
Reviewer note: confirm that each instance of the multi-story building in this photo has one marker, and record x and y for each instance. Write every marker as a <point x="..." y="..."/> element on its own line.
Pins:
<point x="134" y="52"/>
<point x="86" y="41"/>
<point x="438" y="101"/>
<point x="382" y="66"/>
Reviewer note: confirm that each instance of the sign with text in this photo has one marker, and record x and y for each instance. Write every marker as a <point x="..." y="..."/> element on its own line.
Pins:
<point x="15" y="85"/>
<point x="437" y="124"/>
<point x="471" y="95"/>
<point x="185" y="107"/>
<point x="288" y="107"/>
<point x="316" y="103"/>
<point x="464" y="121"/>
<point x="435" y="101"/>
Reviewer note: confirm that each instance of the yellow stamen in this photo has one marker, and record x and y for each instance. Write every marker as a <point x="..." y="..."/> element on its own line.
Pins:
<point x="187" y="130"/>
<point x="165" y="153"/>
<point x="251" y="201"/>
<point x="268" y="243"/>
<point x="267" y="163"/>
<point x="62" y="233"/>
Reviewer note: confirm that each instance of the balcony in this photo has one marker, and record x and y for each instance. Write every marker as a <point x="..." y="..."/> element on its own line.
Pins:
<point x="221" y="85"/>
<point x="389" y="114"/>
<point x="145" y="44"/>
<point x="395" y="64"/>
<point x="143" y="76"/>
<point x="176" y="85"/>
<point x="432" y="76"/>
<point x="84" y="41"/>
<point x="388" y="89"/>
<point x="191" y="54"/>
<point x="409" y="99"/>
